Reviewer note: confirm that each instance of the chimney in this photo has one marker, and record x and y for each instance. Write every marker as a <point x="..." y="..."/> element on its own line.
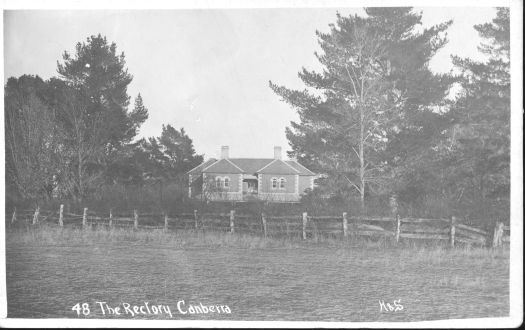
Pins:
<point x="277" y="152"/>
<point x="225" y="152"/>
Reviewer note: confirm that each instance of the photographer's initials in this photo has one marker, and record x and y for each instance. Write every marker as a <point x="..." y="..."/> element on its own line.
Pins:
<point x="388" y="307"/>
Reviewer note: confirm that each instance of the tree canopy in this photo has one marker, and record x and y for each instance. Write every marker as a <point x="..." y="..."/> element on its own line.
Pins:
<point x="375" y="91"/>
<point x="69" y="136"/>
<point x="482" y="126"/>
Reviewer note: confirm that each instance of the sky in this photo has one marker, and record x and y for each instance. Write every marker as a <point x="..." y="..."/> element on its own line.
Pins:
<point x="207" y="70"/>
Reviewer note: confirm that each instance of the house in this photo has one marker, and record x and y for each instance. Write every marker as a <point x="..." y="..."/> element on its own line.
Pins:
<point x="243" y="179"/>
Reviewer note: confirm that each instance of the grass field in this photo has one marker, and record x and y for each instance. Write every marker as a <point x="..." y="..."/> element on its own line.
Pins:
<point x="50" y="270"/>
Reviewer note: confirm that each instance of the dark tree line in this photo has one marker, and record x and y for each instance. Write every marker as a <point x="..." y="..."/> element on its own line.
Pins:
<point x="72" y="135"/>
<point x="482" y="118"/>
<point x="378" y="123"/>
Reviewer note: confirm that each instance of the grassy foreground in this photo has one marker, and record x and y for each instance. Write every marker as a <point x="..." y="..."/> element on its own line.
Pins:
<point x="46" y="235"/>
<point x="50" y="269"/>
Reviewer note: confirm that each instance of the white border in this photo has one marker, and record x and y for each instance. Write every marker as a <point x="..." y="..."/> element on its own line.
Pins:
<point x="213" y="4"/>
<point x="516" y="164"/>
<point x="516" y="246"/>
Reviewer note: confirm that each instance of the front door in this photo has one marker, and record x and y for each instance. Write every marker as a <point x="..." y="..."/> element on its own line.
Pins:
<point x="250" y="186"/>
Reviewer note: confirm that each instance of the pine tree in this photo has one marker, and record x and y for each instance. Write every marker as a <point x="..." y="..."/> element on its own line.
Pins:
<point x="164" y="158"/>
<point x="482" y="131"/>
<point x="138" y="115"/>
<point x="374" y="84"/>
<point x="91" y="95"/>
<point x="100" y="74"/>
<point x="178" y="150"/>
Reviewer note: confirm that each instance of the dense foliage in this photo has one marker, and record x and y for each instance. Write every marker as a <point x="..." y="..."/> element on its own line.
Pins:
<point x="482" y="132"/>
<point x="72" y="137"/>
<point x="378" y="122"/>
<point x="375" y="92"/>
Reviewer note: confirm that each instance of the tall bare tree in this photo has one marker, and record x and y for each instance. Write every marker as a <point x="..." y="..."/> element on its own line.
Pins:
<point x="84" y="145"/>
<point x="31" y="139"/>
<point x="95" y="112"/>
<point x="360" y="99"/>
<point x="482" y="134"/>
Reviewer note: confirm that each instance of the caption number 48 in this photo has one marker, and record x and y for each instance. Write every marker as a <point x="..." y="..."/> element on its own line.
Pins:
<point x="84" y="309"/>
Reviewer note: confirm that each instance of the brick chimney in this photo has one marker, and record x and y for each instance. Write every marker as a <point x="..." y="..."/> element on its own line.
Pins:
<point x="225" y="152"/>
<point x="277" y="152"/>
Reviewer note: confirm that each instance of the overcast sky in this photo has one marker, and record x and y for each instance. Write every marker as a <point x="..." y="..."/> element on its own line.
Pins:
<point x="208" y="70"/>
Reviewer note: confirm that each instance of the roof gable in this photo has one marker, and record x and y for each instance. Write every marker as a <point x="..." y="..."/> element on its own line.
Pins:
<point x="202" y="165"/>
<point x="302" y="170"/>
<point x="222" y="166"/>
<point x="251" y="165"/>
<point x="278" y="167"/>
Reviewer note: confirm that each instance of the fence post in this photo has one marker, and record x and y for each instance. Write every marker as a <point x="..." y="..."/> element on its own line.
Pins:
<point x="166" y="221"/>
<point x="61" y="216"/>
<point x="393" y="204"/>
<point x="13" y="218"/>
<point x="110" y="218"/>
<point x="498" y="235"/>
<point x="232" y="218"/>
<point x="84" y="217"/>
<point x="356" y="223"/>
<point x="501" y="230"/>
<point x="314" y="228"/>
<point x="398" y="228"/>
<point x="305" y="220"/>
<point x="345" y="225"/>
<point x="265" y="229"/>
<point x="35" y="216"/>
<point x="135" y="219"/>
<point x="452" y="231"/>
<point x="196" y="217"/>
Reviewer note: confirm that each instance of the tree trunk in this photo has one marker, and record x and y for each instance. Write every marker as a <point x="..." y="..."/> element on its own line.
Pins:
<point x="80" y="183"/>
<point x="482" y="188"/>
<point x="362" y="160"/>
<point x="362" y="186"/>
<point x="160" y="191"/>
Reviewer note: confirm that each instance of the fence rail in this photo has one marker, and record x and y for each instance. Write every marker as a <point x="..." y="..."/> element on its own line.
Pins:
<point x="305" y="226"/>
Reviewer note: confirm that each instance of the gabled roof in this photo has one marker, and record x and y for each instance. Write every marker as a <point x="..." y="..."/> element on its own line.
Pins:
<point x="223" y="166"/>
<point x="278" y="167"/>
<point x="302" y="170"/>
<point x="199" y="168"/>
<point x="252" y="166"/>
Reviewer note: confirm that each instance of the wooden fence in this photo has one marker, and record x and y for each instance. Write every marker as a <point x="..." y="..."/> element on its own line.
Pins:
<point x="304" y="226"/>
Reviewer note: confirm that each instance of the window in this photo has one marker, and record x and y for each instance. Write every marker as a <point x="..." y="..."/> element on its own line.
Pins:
<point x="278" y="183"/>
<point x="222" y="182"/>
<point x="282" y="182"/>
<point x="274" y="183"/>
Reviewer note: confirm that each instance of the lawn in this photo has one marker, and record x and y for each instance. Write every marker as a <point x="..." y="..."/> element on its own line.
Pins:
<point x="50" y="270"/>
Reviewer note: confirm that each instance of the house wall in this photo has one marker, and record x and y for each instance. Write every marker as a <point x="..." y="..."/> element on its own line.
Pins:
<point x="233" y="192"/>
<point x="235" y="181"/>
<point x="295" y="185"/>
<point x="265" y="183"/>
<point x="279" y="197"/>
